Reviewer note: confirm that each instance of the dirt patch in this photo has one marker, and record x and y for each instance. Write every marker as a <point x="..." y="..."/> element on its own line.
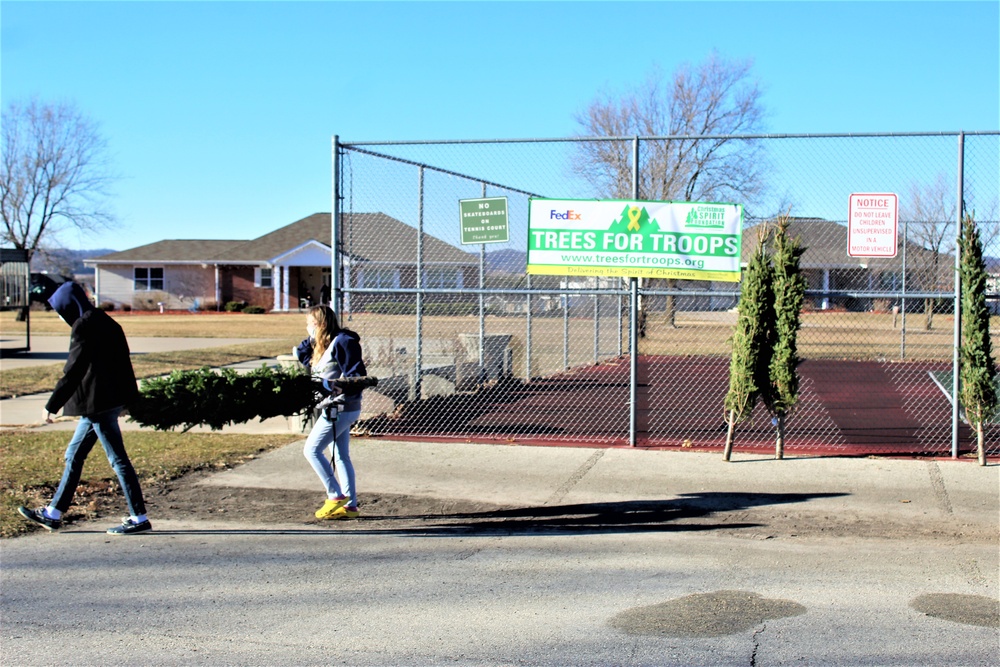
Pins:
<point x="187" y="499"/>
<point x="747" y="516"/>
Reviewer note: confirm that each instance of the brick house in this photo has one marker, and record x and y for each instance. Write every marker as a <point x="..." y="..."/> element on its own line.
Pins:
<point x="283" y="270"/>
<point x="827" y="266"/>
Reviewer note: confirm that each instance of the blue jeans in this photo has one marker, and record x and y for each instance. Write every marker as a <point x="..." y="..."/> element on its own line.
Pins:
<point x="338" y="433"/>
<point x="102" y="426"/>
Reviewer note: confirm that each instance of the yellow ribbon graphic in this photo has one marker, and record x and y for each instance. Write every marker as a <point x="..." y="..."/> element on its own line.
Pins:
<point x="633" y="218"/>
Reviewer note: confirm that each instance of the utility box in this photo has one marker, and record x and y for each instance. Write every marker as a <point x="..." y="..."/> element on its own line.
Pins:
<point x="15" y="296"/>
<point x="497" y="358"/>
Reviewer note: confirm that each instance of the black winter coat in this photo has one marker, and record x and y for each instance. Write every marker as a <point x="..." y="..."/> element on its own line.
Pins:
<point x="98" y="374"/>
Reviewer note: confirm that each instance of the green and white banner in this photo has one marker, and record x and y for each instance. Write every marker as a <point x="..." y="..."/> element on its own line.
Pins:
<point x="641" y="239"/>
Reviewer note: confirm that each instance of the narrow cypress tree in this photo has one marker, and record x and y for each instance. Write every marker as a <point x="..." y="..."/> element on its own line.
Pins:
<point x="752" y="341"/>
<point x="789" y="293"/>
<point x="977" y="370"/>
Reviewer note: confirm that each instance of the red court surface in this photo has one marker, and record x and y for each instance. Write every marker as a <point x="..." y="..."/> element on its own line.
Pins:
<point x="847" y="408"/>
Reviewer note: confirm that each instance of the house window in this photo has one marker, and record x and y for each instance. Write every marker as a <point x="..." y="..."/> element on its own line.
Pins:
<point x="378" y="278"/>
<point x="148" y="279"/>
<point x="263" y="276"/>
<point x="442" y="278"/>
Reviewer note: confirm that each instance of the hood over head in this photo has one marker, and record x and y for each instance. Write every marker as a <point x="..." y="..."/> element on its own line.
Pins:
<point x="349" y="333"/>
<point x="70" y="300"/>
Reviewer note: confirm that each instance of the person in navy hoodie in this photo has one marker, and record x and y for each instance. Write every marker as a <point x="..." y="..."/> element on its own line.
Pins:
<point x="336" y="354"/>
<point x="97" y="383"/>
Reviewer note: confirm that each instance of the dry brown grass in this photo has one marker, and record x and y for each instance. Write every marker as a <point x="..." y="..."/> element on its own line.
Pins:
<point x="827" y="335"/>
<point x="823" y="335"/>
<point x="170" y="325"/>
<point x="830" y="335"/>
<point x="31" y="464"/>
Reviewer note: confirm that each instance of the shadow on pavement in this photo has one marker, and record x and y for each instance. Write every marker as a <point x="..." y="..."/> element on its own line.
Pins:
<point x="683" y="514"/>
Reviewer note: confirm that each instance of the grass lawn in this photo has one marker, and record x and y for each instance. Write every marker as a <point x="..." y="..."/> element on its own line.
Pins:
<point x="36" y="379"/>
<point x="197" y="325"/>
<point x="286" y="330"/>
<point x="31" y="464"/>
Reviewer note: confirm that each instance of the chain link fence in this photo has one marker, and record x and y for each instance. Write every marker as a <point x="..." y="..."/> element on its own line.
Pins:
<point x="469" y="346"/>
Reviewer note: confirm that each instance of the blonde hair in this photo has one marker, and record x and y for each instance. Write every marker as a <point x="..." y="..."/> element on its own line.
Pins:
<point x="327" y="327"/>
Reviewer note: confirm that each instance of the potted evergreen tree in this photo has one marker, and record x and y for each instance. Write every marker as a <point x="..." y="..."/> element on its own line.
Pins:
<point x="789" y="293"/>
<point x="977" y="370"/>
<point x="751" y="341"/>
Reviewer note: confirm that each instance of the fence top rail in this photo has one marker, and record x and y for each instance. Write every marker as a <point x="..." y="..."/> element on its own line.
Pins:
<point x="830" y="135"/>
<point x="612" y="291"/>
<point x="441" y="171"/>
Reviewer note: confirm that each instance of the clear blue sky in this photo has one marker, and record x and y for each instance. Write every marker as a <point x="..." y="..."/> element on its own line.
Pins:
<point x="219" y="114"/>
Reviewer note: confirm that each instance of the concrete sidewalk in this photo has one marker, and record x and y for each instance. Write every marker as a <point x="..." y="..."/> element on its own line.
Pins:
<point x="881" y="495"/>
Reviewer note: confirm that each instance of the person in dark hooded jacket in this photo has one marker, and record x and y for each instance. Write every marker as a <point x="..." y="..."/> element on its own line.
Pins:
<point x="97" y="383"/>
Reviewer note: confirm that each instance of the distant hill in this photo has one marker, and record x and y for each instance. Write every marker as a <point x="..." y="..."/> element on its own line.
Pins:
<point x="63" y="261"/>
<point x="506" y="261"/>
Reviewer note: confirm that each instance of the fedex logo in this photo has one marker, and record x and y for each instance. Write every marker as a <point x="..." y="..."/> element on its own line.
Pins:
<point x="568" y="215"/>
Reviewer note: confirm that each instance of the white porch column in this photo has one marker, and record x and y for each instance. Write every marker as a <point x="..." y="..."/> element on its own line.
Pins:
<point x="826" y="287"/>
<point x="276" y="288"/>
<point x="284" y="287"/>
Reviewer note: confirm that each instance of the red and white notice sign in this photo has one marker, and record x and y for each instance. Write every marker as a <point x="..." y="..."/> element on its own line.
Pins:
<point x="872" y="225"/>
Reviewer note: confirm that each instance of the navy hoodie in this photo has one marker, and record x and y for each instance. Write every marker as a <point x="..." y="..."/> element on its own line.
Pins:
<point x="345" y="361"/>
<point x="98" y="374"/>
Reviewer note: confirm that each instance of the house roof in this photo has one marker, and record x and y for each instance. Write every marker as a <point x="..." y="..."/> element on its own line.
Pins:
<point x="366" y="237"/>
<point x="825" y="245"/>
<point x="375" y="237"/>
<point x="175" y="250"/>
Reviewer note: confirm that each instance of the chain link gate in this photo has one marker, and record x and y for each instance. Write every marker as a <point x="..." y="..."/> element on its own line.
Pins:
<point x="470" y="347"/>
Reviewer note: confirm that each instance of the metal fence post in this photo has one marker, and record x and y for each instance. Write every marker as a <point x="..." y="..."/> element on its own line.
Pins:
<point x="482" y="312"/>
<point x="902" y="333"/>
<point x="633" y="368"/>
<point x="418" y="371"/>
<point x="335" y="287"/>
<point x="597" y="324"/>
<point x="565" y="314"/>
<point x="527" y="336"/>
<point x="955" y="381"/>
<point x="621" y="314"/>
<point x="633" y="309"/>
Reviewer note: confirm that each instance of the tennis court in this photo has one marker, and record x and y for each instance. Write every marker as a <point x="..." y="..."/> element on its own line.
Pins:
<point x="850" y="408"/>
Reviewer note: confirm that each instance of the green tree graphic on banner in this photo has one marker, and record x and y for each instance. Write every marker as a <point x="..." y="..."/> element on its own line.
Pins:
<point x="635" y="220"/>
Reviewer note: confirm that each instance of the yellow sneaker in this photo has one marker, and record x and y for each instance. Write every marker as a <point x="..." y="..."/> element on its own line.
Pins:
<point x="331" y="506"/>
<point x="345" y="512"/>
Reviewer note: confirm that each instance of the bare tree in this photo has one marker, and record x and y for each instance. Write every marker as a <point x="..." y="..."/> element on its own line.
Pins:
<point x="54" y="173"/>
<point x="929" y="213"/>
<point x="716" y="99"/>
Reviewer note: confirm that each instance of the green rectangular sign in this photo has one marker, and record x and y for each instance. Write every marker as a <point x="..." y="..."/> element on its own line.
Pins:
<point x="484" y="220"/>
